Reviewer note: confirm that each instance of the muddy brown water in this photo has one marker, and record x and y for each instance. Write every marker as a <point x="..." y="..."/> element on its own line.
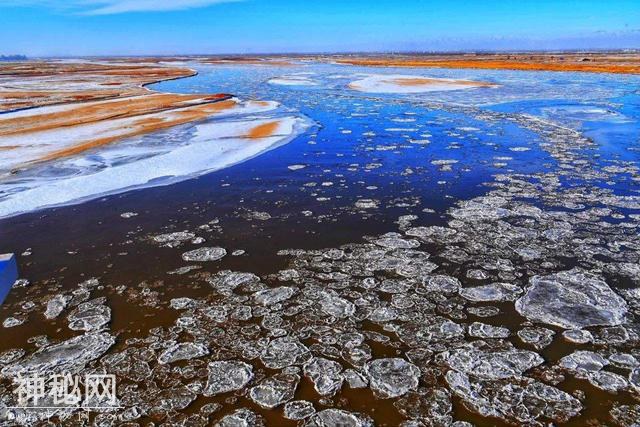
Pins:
<point x="72" y="244"/>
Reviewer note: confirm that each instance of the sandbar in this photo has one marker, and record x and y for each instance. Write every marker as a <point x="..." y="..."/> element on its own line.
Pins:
<point x="618" y="63"/>
<point x="381" y="83"/>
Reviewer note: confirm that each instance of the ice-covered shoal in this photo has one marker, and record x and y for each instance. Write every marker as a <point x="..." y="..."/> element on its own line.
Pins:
<point x="216" y="145"/>
<point x="406" y="84"/>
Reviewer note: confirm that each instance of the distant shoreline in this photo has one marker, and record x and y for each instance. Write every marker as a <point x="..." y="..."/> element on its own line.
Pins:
<point x="596" y="61"/>
<point x="292" y="54"/>
<point x="620" y="63"/>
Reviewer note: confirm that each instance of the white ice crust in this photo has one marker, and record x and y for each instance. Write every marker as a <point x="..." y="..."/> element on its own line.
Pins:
<point x="211" y="146"/>
<point x="385" y="83"/>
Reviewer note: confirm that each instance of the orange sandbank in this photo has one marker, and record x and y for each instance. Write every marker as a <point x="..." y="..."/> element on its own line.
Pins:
<point x="591" y="62"/>
<point x="264" y="130"/>
<point x="39" y="83"/>
<point x="66" y="95"/>
<point x="420" y="81"/>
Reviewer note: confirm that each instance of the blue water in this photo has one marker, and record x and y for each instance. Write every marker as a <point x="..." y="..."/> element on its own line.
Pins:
<point x="367" y="146"/>
<point x="602" y="107"/>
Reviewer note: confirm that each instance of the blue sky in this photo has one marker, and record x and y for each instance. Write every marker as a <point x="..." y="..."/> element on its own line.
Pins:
<point x="137" y="27"/>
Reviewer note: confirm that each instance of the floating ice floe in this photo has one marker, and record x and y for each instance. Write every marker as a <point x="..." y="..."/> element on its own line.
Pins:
<point x="226" y="281"/>
<point x="298" y="410"/>
<point x="392" y="377"/>
<point x="523" y="401"/>
<point x="588" y="365"/>
<point x="634" y="379"/>
<point x="296" y="167"/>
<point x="572" y="299"/>
<point x="276" y="390"/>
<point x="482" y="330"/>
<point x="396" y="83"/>
<point x="492" y="365"/>
<point x="11" y="322"/>
<point x="608" y="381"/>
<point x="584" y="113"/>
<point x="226" y="376"/>
<point x="624" y="360"/>
<point x="274" y="296"/>
<point x="492" y="292"/>
<point x="90" y="315"/>
<point x="325" y="374"/>
<point x="539" y="338"/>
<point x="183" y="351"/>
<point x="334" y="305"/>
<point x="293" y="80"/>
<point x="204" y="254"/>
<point x="66" y="357"/>
<point x="240" y="418"/>
<point x="283" y="352"/>
<point x="338" y="417"/>
<point x="583" y="362"/>
<point x="174" y="238"/>
<point x="577" y="336"/>
<point x="56" y="305"/>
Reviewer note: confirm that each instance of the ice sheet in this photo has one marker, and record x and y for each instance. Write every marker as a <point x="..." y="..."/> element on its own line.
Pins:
<point x="398" y="83"/>
<point x="214" y="146"/>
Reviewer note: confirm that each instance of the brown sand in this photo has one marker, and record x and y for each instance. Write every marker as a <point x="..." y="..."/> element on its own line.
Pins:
<point x="96" y="94"/>
<point x="241" y="60"/>
<point x="32" y="84"/>
<point x="140" y="127"/>
<point x="264" y="130"/>
<point x="418" y="81"/>
<point x="583" y="62"/>
<point x="91" y="112"/>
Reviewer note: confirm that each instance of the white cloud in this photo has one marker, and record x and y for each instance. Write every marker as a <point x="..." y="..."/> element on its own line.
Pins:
<point x="110" y="7"/>
<point x="107" y="7"/>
